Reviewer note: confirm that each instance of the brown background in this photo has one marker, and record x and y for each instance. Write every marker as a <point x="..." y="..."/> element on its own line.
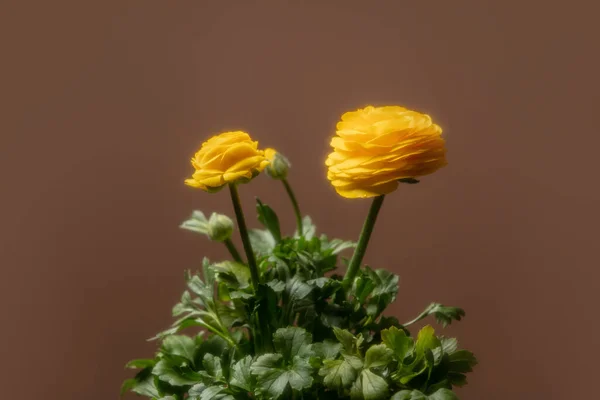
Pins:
<point x="103" y="103"/>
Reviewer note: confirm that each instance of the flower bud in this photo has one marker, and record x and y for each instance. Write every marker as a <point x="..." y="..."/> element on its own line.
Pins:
<point x="278" y="165"/>
<point x="220" y="227"/>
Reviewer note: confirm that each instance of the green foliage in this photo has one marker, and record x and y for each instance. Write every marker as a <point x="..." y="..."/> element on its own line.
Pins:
<point x="328" y="341"/>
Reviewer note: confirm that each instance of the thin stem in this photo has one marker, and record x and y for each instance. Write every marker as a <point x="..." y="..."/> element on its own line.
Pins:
<point x="290" y="193"/>
<point x="239" y="214"/>
<point x="262" y="334"/>
<point x="233" y="251"/>
<point x="363" y="241"/>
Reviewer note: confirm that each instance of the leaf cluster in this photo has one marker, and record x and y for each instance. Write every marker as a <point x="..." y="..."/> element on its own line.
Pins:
<point x="327" y="340"/>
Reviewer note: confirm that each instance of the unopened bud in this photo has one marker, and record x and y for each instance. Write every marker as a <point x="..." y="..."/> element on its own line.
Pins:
<point x="220" y="227"/>
<point x="278" y="165"/>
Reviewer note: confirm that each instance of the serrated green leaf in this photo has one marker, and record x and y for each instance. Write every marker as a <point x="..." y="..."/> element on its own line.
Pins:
<point x="292" y="341"/>
<point x="145" y="388"/>
<point x="196" y="223"/>
<point x="241" y="375"/>
<point x="274" y="376"/>
<point x="308" y="229"/>
<point x="179" y="345"/>
<point x="235" y="274"/>
<point x="443" y="315"/>
<point x="127" y="385"/>
<point x="426" y="340"/>
<point x="338" y="374"/>
<point x="369" y="386"/>
<point x="396" y="340"/>
<point x="441" y="394"/>
<point x="462" y="361"/>
<point x="269" y="219"/>
<point x="262" y="241"/>
<point x="347" y="339"/>
<point x="328" y="349"/>
<point x="212" y="365"/>
<point x="277" y="285"/>
<point x="378" y="355"/>
<point x="211" y="392"/>
<point x="176" y="375"/>
<point x="168" y="398"/>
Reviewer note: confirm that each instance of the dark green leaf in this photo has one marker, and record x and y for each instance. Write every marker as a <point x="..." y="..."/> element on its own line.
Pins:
<point x="292" y="341"/>
<point x="179" y="345"/>
<point x="176" y="375"/>
<point x="240" y="374"/>
<point x="269" y="219"/>
<point x="145" y="388"/>
<point x="212" y="365"/>
<point x="274" y="376"/>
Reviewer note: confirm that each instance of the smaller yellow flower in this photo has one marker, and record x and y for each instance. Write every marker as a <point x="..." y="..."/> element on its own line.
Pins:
<point x="278" y="165"/>
<point x="230" y="157"/>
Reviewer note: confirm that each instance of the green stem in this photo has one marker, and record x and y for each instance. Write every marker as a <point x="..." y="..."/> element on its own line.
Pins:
<point x="262" y="333"/>
<point x="239" y="215"/>
<point x="290" y="193"/>
<point x="233" y="251"/>
<point x="363" y="241"/>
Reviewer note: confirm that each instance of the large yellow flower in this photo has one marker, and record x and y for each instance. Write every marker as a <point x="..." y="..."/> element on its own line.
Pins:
<point x="230" y="157"/>
<point x="377" y="146"/>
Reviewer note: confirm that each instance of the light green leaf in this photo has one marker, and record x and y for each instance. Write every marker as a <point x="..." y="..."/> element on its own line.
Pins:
<point x="378" y="355"/>
<point x="140" y="364"/>
<point x="308" y="228"/>
<point x="196" y="223"/>
<point x="179" y="345"/>
<point x="210" y="392"/>
<point x="273" y="375"/>
<point x="336" y="246"/>
<point x="240" y="374"/>
<point x="338" y="374"/>
<point x="369" y="386"/>
<point x="168" y="398"/>
<point x="233" y="273"/>
<point x="397" y="341"/>
<point x="347" y="339"/>
<point x="426" y="340"/>
<point x="327" y="349"/>
<point x="269" y="219"/>
<point x="441" y="394"/>
<point x="262" y="241"/>
<point x="292" y="341"/>
<point x="277" y="285"/>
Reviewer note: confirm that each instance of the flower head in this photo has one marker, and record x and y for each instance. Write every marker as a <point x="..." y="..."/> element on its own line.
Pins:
<point x="375" y="147"/>
<point x="230" y="157"/>
<point x="278" y="164"/>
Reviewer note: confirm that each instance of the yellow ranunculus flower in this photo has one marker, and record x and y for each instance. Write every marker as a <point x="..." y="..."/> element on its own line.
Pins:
<point x="230" y="157"/>
<point x="377" y="146"/>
